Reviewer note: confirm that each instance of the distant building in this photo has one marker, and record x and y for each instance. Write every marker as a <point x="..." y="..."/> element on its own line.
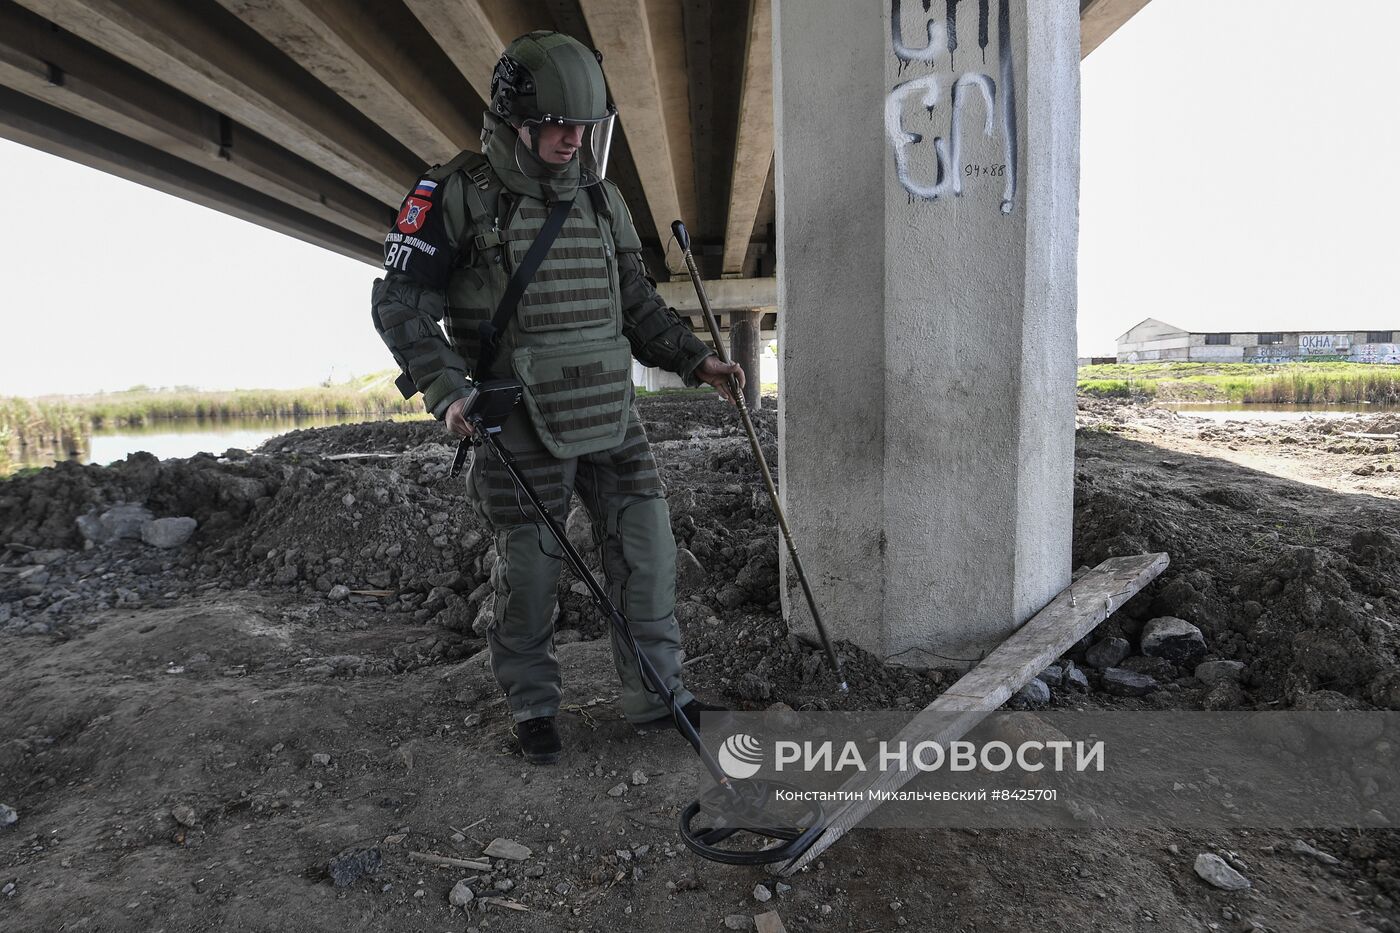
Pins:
<point x="1154" y="340"/>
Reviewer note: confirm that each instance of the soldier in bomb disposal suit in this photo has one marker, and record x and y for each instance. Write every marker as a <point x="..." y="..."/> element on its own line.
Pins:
<point x="588" y="309"/>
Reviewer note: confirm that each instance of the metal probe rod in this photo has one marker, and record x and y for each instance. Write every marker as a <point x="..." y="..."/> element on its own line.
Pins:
<point x="683" y="238"/>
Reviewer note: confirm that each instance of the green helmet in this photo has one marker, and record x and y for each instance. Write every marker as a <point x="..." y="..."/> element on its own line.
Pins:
<point x="549" y="78"/>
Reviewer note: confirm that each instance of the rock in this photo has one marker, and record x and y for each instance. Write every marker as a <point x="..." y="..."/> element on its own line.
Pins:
<point x="9" y="889"/>
<point x="1211" y="673"/>
<point x="507" y="849"/>
<point x="184" y="815"/>
<point x="1213" y="870"/>
<point x="168" y="532"/>
<point x="690" y="574"/>
<point x="321" y="759"/>
<point x="9" y="816"/>
<point x="338" y="593"/>
<point x="738" y="922"/>
<point x="639" y="777"/>
<point x="1123" y="683"/>
<point x="617" y="790"/>
<point x="730" y="596"/>
<point x="580" y="530"/>
<point x="1364" y="470"/>
<point x="1034" y="693"/>
<point x="1225" y="695"/>
<point x="461" y="894"/>
<point x="46" y="556"/>
<point x="1052" y="676"/>
<point x="117" y="522"/>
<point x="1076" y="679"/>
<point x="1302" y="848"/>
<point x="346" y="869"/>
<point x="753" y="686"/>
<point x="1160" y="668"/>
<point x="1108" y="652"/>
<point x="348" y="500"/>
<point x="769" y="922"/>
<point x="762" y="894"/>
<point x="1172" y="638"/>
<point x="485" y="616"/>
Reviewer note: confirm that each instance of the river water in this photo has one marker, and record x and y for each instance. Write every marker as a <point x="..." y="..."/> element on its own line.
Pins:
<point x="186" y="438"/>
<point x="1230" y="411"/>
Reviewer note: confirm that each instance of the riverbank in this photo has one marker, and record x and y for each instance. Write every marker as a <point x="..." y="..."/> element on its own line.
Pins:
<point x="61" y="426"/>
<point x="1246" y="383"/>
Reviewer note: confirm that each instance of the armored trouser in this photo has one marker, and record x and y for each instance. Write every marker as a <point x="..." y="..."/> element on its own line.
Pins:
<point x="621" y="490"/>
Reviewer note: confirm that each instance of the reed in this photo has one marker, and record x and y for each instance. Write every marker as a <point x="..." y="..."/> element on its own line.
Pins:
<point x="1261" y="383"/>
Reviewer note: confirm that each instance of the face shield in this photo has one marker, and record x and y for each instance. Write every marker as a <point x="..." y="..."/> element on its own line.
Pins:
<point x="558" y="144"/>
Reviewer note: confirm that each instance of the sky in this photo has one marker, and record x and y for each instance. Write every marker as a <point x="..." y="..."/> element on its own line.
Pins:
<point x="1237" y="175"/>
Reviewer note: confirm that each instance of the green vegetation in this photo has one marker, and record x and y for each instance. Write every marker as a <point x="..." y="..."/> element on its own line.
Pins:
<point x="1265" y="383"/>
<point x="65" y="422"/>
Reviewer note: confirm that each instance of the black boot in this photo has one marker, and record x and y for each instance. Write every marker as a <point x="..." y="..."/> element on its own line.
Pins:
<point x="539" y="740"/>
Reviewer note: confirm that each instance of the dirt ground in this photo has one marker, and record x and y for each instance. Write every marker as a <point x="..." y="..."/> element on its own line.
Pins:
<point x="191" y="735"/>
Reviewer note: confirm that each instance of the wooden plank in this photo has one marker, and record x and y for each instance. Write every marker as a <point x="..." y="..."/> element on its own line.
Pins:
<point x="1030" y="649"/>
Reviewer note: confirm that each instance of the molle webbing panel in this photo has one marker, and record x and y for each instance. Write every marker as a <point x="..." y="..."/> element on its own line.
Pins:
<point x="572" y="287"/>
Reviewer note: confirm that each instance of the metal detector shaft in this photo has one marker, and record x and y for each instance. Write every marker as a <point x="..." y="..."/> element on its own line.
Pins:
<point x="683" y="237"/>
<point x="600" y="598"/>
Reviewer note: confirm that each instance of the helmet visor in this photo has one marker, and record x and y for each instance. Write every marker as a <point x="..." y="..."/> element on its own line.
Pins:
<point x="562" y="140"/>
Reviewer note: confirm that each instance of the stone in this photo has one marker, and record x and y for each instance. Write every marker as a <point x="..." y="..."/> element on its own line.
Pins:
<point x="338" y="593"/>
<point x="1211" y="673"/>
<point x="1300" y="847"/>
<point x="1224" y="695"/>
<point x="9" y="816"/>
<point x="485" y="616"/>
<point x="761" y="893"/>
<point x="168" y="532"/>
<point x="1034" y="693"/>
<point x="1076" y="679"/>
<point x="639" y="777"/>
<point x="738" y="922"/>
<point x="506" y="849"/>
<point x="321" y="759"/>
<point x="1214" y="871"/>
<point x="1174" y="639"/>
<point x="1160" y="668"/>
<point x="46" y="555"/>
<point x="1108" y="652"/>
<point x="184" y="815"/>
<point x="346" y="869"/>
<point x="690" y="573"/>
<point x="769" y="922"/>
<point x="1123" y="683"/>
<point x="617" y="790"/>
<point x="125" y="521"/>
<point x="1052" y="676"/>
<point x="730" y="596"/>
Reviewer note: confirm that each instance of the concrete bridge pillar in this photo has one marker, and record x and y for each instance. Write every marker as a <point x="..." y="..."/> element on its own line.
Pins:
<point x="927" y="185"/>
<point x="746" y="348"/>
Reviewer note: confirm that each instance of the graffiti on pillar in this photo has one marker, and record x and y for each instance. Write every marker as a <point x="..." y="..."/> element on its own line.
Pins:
<point x="946" y="173"/>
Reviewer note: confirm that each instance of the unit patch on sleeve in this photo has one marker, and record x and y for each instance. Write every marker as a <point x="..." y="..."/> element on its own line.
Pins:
<point x="418" y="243"/>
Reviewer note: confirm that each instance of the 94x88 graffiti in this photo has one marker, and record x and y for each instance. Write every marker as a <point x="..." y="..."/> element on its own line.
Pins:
<point x="972" y="170"/>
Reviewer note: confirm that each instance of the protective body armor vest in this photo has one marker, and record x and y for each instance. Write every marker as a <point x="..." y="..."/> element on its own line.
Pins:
<point x="565" y="342"/>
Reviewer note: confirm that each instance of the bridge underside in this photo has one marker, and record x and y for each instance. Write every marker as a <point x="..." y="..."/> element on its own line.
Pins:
<point x="311" y="117"/>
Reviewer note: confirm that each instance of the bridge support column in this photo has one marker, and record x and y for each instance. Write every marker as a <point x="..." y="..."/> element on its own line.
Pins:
<point x="745" y="348"/>
<point x="927" y="182"/>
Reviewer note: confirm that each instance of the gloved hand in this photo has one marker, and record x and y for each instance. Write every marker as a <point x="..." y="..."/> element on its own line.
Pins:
<point x="456" y="417"/>
<point x="715" y="373"/>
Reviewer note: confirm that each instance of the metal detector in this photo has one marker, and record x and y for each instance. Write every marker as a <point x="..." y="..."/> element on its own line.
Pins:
<point x="724" y="812"/>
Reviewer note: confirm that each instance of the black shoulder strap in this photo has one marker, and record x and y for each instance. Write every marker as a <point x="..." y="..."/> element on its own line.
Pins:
<point x="491" y="330"/>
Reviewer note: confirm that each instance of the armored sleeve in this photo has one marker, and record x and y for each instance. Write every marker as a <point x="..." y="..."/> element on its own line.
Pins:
<point x="657" y="334"/>
<point x="409" y="302"/>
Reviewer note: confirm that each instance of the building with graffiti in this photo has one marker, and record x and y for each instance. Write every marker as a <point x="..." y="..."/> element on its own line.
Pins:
<point x="1153" y="340"/>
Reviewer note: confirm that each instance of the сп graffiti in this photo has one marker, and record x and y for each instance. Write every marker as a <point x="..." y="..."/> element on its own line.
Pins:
<point x="942" y="38"/>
